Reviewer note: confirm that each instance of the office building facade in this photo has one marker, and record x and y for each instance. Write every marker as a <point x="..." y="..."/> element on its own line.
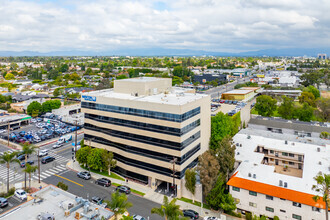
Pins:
<point x="151" y="127"/>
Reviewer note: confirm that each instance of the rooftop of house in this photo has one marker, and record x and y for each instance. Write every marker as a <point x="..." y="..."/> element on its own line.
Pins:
<point x="52" y="201"/>
<point x="316" y="159"/>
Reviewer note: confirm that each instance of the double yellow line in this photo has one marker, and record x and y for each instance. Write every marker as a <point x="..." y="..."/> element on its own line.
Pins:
<point x="69" y="180"/>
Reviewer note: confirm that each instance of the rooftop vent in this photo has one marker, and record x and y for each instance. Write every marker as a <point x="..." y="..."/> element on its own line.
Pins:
<point x="280" y="183"/>
<point x="249" y="174"/>
<point x="318" y="149"/>
<point x="237" y="144"/>
<point x="286" y="142"/>
<point x="240" y="145"/>
<point x="254" y="176"/>
<point x="285" y="185"/>
<point x="320" y="163"/>
<point x="237" y="153"/>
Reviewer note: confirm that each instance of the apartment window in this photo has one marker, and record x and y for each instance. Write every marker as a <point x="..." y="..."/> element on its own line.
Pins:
<point x="291" y="163"/>
<point x="291" y="155"/>
<point x="252" y="193"/>
<point x="296" y="204"/>
<point x="269" y="209"/>
<point x="271" y="151"/>
<point x="284" y="162"/>
<point x="253" y="204"/>
<point x="236" y="189"/>
<point x="281" y="210"/>
<point x="282" y="199"/>
<point x="296" y="132"/>
<point x="296" y="216"/>
<point x="269" y="197"/>
<point x="309" y="134"/>
<point x="236" y="200"/>
<point x="315" y="209"/>
<point x="285" y="154"/>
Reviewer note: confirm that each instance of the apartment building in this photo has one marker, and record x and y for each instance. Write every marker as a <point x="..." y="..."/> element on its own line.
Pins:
<point x="274" y="177"/>
<point x="155" y="131"/>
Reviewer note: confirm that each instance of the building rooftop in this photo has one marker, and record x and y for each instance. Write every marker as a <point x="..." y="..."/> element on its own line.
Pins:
<point x="239" y="91"/>
<point x="52" y="201"/>
<point x="316" y="159"/>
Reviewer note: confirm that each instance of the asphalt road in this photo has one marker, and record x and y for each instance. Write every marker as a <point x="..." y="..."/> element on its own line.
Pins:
<point x="87" y="189"/>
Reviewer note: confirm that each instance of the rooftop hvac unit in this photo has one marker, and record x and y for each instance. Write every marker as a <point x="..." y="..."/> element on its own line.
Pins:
<point x="286" y="142"/>
<point x="280" y="183"/>
<point x="254" y="176"/>
<point x="320" y="163"/>
<point x="249" y="175"/>
<point x="285" y="184"/>
<point x="318" y="149"/>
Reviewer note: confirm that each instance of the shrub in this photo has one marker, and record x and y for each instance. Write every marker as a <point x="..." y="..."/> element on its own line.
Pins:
<point x="63" y="186"/>
<point x="248" y="216"/>
<point x="276" y="218"/>
<point x="324" y="135"/>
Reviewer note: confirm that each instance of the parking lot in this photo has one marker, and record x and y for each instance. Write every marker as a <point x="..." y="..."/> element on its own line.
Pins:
<point x="39" y="130"/>
<point x="12" y="202"/>
<point x="229" y="107"/>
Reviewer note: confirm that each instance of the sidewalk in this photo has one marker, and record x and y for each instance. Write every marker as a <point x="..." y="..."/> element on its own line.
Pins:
<point x="151" y="194"/>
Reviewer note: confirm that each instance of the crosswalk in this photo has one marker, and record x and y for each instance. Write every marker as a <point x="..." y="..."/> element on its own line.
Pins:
<point x="9" y="151"/>
<point x="49" y="172"/>
<point x="13" y="174"/>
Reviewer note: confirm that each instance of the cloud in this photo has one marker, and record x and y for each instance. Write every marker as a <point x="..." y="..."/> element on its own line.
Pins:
<point x="215" y="25"/>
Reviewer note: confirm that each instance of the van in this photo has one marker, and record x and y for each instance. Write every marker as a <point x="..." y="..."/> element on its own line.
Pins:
<point x="47" y="159"/>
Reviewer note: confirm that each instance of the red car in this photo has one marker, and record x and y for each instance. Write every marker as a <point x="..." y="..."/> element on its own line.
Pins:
<point x="222" y="101"/>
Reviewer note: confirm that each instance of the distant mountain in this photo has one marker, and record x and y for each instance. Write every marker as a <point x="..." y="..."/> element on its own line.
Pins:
<point x="172" y="52"/>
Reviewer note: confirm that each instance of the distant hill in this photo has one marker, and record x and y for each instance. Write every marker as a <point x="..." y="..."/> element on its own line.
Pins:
<point x="172" y="52"/>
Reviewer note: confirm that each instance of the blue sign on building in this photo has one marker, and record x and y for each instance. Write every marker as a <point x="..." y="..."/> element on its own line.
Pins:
<point x="89" y="98"/>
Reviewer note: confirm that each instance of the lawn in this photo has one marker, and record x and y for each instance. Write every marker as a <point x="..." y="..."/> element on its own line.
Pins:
<point x="105" y="173"/>
<point x="195" y="203"/>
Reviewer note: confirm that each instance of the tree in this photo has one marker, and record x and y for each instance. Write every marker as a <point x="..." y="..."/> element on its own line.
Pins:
<point x="304" y="113"/>
<point x="225" y="154"/>
<point x="8" y="158"/>
<point x="169" y="210"/>
<point x="82" y="155"/>
<point x="190" y="181"/>
<point x="9" y="76"/>
<point x="286" y="109"/>
<point x="63" y="186"/>
<point x="323" y="108"/>
<point x="323" y="187"/>
<point x="307" y="97"/>
<point x="89" y="71"/>
<point x="208" y="168"/>
<point x="108" y="160"/>
<point x="34" y="108"/>
<point x="118" y="203"/>
<point x="49" y="105"/>
<point x="127" y="217"/>
<point x="64" y="68"/>
<point x="221" y="126"/>
<point x="219" y="198"/>
<point x="28" y="170"/>
<point x="313" y="90"/>
<point x="265" y="105"/>
<point x="176" y="81"/>
<point x="324" y="135"/>
<point x="27" y="149"/>
<point x="312" y="78"/>
<point x="95" y="159"/>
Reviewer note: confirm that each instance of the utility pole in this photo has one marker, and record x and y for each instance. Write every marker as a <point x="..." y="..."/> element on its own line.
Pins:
<point x="38" y="164"/>
<point x="8" y="132"/>
<point x="173" y="173"/>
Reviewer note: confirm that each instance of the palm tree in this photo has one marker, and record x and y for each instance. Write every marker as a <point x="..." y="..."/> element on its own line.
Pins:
<point x="119" y="204"/>
<point x="323" y="187"/>
<point x="30" y="169"/>
<point x="169" y="210"/>
<point x="8" y="158"/>
<point x="28" y="149"/>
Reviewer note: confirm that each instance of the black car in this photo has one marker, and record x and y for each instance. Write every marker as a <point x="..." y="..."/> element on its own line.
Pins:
<point x="3" y="202"/>
<point x="190" y="213"/>
<point x="103" y="182"/>
<point x="47" y="159"/>
<point x="22" y="157"/>
<point x="29" y="162"/>
<point x="123" y="189"/>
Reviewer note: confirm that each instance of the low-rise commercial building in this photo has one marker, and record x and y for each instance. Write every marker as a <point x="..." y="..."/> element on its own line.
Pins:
<point x="155" y="131"/>
<point x="274" y="177"/>
<point x="239" y="94"/>
<point x="202" y="79"/>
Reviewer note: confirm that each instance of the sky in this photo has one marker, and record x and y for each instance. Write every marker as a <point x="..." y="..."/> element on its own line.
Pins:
<point x="210" y="25"/>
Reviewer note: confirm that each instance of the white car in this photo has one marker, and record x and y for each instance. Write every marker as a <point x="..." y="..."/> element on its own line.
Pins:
<point x="21" y="194"/>
<point x="211" y="218"/>
<point x="43" y="153"/>
<point x="57" y="145"/>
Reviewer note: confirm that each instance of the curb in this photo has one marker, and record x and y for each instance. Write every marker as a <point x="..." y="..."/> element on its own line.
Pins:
<point x="41" y="145"/>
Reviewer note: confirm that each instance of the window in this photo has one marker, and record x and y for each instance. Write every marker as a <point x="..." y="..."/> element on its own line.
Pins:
<point x="269" y="209"/>
<point x="309" y="134"/>
<point x="282" y="199"/>
<point x="236" y="189"/>
<point x="252" y="193"/>
<point x="269" y="197"/>
<point x="281" y="210"/>
<point x="315" y="209"/>
<point x="291" y="155"/>
<point x="253" y="204"/>
<point x="296" y="204"/>
<point x="285" y="154"/>
<point x="296" y="216"/>
<point x="236" y="200"/>
<point x="271" y="151"/>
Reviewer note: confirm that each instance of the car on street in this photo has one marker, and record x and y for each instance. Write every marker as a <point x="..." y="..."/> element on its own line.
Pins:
<point x="211" y="218"/>
<point x="103" y="182"/>
<point x="29" y="162"/>
<point x="123" y="189"/>
<point x="97" y="200"/>
<point x="3" y="202"/>
<point x="138" y="217"/>
<point x="190" y="213"/>
<point x="22" y="157"/>
<point x="47" y="159"/>
<point x="43" y="153"/>
<point x="84" y="175"/>
<point x="21" y="194"/>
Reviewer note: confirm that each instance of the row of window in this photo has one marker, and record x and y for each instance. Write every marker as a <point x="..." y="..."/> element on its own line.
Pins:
<point x="144" y="152"/>
<point x="141" y="112"/>
<point x="145" y="126"/>
<point x="270" y="209"/>
<point x="145" y="139"/>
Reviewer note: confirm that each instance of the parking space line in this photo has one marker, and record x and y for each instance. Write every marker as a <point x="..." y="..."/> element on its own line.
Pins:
<point x="69" y="180"/>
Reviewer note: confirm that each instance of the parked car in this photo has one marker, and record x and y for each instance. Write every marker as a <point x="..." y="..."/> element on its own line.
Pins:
<point x="222" y="101"/>
<point x="22" y="133"/>
<point x="190" y="213"/>
<point x="235" y="102"/>
<point x="29" y="162"/>
<point x="138" y="217"/>
<point x="22" y="157"/>
<point x="47" y="159"/>
<point x="123" y="189"/>
<point x="97" y="200"/>
<point x="21" y="194"/>
<point x="3" y="202"/>
<point x="43" y="153"/>
<point x="84" y="175"/>
<point x="103" y="182"/>
<point x="211" y="218"/>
